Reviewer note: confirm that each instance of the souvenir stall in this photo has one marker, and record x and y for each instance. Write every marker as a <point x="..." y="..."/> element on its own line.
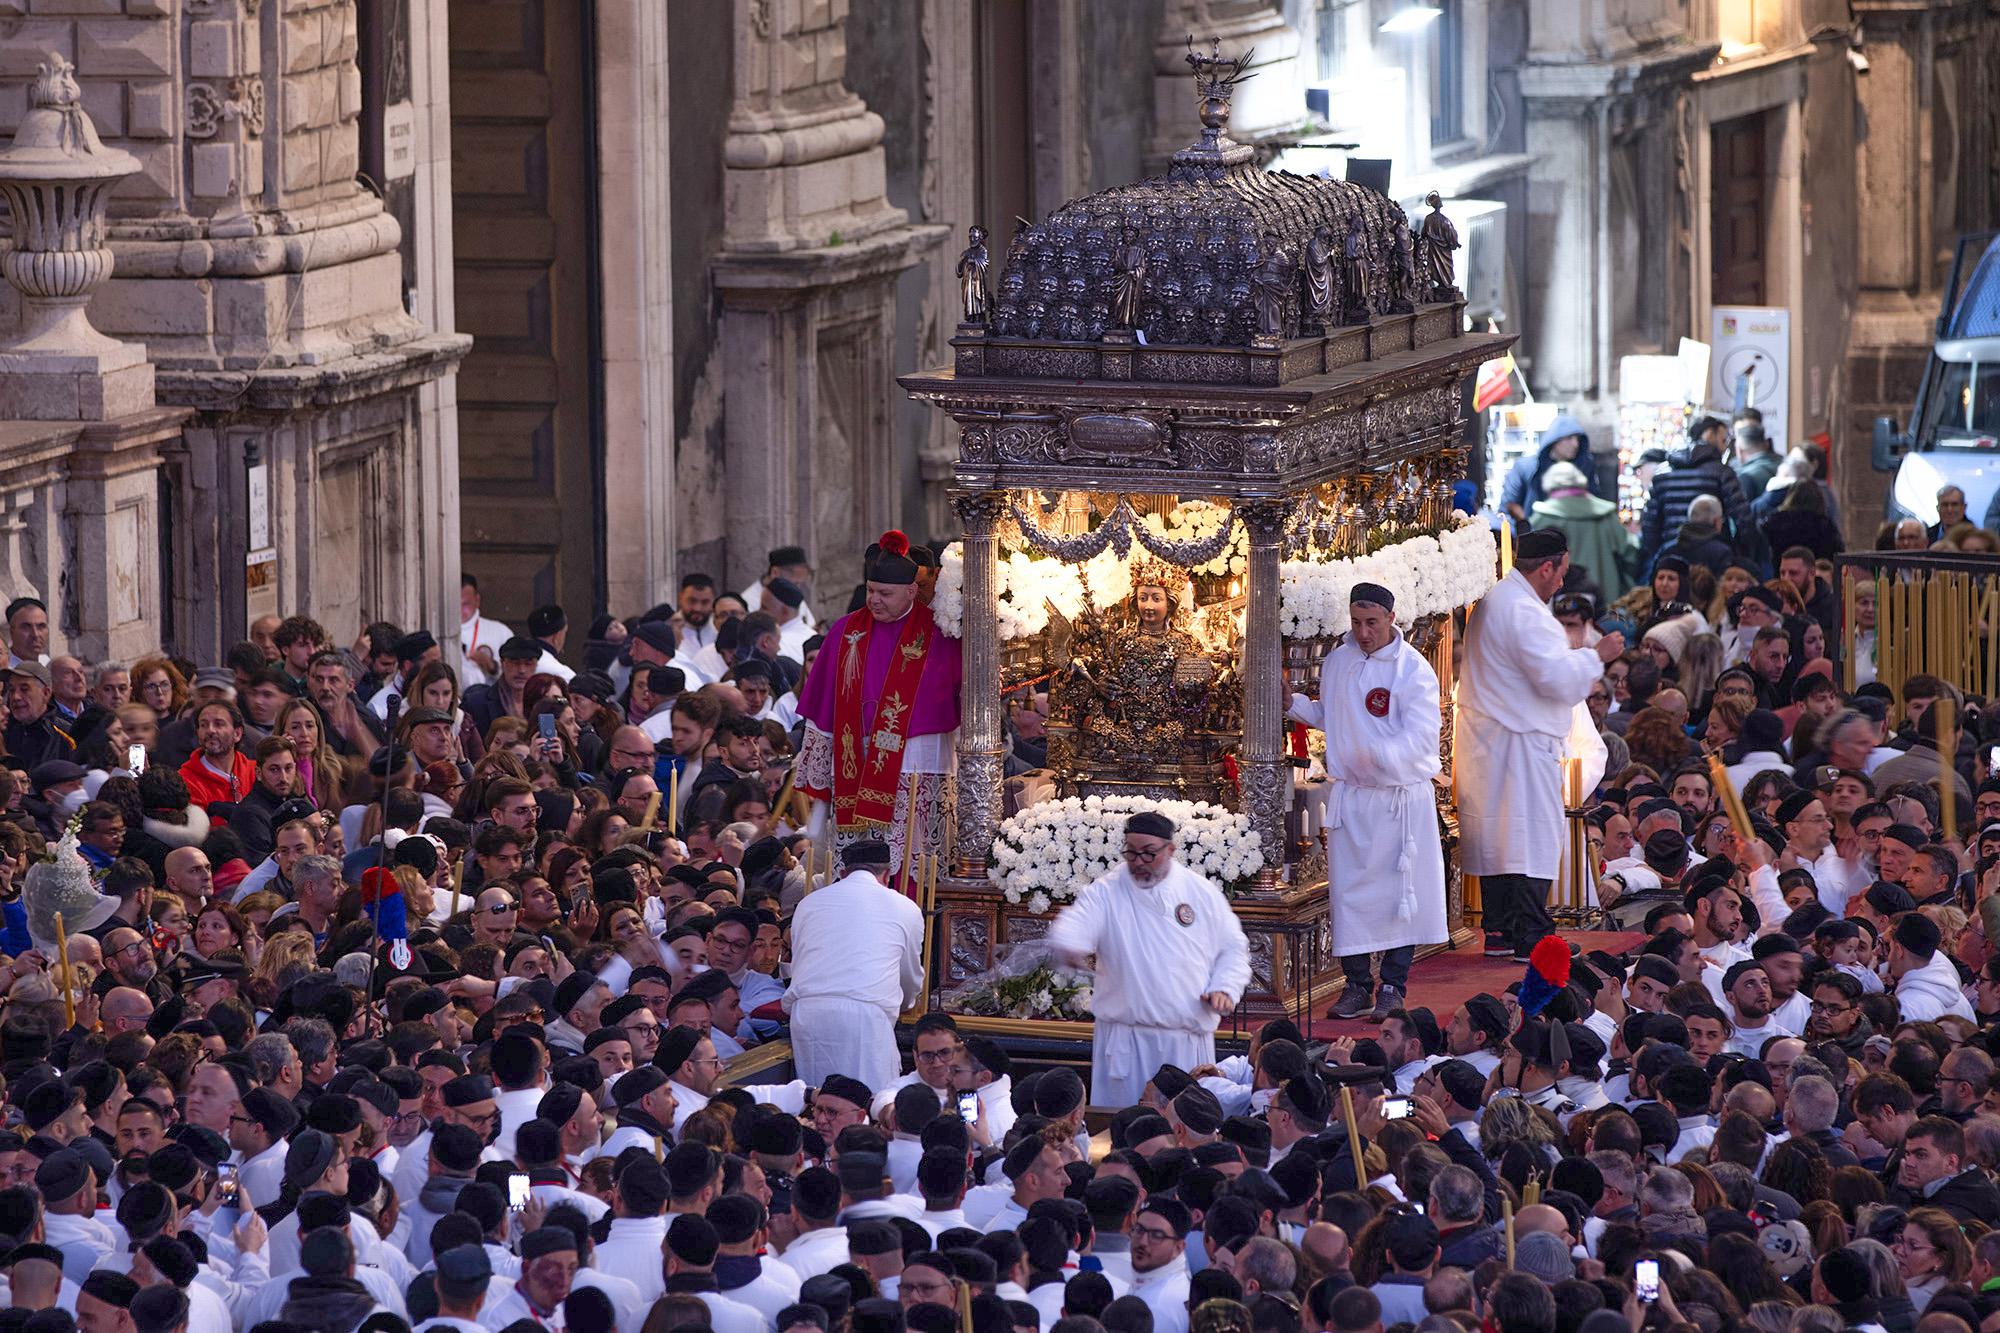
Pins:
<point x="1192" y="412"/>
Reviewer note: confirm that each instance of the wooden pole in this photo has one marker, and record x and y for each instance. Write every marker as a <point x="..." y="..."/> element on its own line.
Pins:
<point x="1353" y="1136"/>
<point x="1991" y="609"/>
<point x="1732" y="801"/>
<point x="1947" y="773"/>
<point x="65" y="975"/>
<point x="1847" y="627"/>
<point x="782" y="808"/>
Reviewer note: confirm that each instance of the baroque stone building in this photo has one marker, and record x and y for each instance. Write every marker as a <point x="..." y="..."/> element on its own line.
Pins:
<point x="580" y="294"/>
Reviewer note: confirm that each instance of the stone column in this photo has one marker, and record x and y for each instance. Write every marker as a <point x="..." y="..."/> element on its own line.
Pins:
<point x="636" y="301"/>
<point x="1262" y="760"/>
<point x="979" y="738"/>
<point x="811" y="254"/>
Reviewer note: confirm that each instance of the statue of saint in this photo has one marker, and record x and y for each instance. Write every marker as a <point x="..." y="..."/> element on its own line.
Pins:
<point x="1271" y="286"/>
<point x="1438" y="239"/>
<point x="1356" y="300"/>
<point x="972" y="262"/>
<point x="1319" y="277"/>
<point x="1136" y="686"/>
<point x="1130" y="290"/>
<point x="1403" y="274"/>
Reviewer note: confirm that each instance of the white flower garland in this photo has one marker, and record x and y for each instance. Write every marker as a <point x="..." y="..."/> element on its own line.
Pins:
<point x="1429" y="575"/>
<point x="1050" y="852"/>
<point x="1194" y="520"/>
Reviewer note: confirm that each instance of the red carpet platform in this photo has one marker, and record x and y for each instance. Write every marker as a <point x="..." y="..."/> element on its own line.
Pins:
<point x="1442" y="981"/>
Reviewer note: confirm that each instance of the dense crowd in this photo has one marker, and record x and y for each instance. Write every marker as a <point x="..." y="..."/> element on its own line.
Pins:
<point x="248" y="1095"/>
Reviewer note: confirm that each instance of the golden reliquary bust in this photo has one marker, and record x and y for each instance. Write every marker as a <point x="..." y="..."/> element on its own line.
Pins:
<point x="1132" y="690"/>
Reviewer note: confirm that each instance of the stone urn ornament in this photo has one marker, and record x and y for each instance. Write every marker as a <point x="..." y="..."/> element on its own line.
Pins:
<point x="56" y="177"/>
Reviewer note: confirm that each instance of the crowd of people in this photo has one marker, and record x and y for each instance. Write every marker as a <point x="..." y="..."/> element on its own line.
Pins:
<point x="401" y="993"/>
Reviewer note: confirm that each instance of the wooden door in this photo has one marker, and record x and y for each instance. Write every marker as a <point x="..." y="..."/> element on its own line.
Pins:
<point x="525" y="269"/>
<point x="1739" y="213"/>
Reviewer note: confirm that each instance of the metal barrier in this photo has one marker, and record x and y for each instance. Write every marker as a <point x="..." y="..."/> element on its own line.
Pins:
<point x="1934" y="613"/>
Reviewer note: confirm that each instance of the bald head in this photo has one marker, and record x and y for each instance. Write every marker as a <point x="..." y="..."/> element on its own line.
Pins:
<point x="1754" y="1099"/>
<point x="1540" y="1217"/>
<point x="189" y="876"/>
<point x="125" y="1009"/>
<point x="1326" y="1244"/>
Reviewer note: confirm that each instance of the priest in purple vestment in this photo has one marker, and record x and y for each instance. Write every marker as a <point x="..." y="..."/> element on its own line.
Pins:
<point x="881" y="712"/>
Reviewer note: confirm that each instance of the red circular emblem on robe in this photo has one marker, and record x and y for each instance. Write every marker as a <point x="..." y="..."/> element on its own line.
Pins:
<point x="1378" y="702"/>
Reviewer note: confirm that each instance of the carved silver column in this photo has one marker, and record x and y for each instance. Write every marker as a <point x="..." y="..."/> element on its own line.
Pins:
<point x="979" y="738"/>
<point x="1262" y="762"/>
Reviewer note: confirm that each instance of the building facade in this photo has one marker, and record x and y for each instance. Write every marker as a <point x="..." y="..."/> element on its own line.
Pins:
<point x="577" y="295"/>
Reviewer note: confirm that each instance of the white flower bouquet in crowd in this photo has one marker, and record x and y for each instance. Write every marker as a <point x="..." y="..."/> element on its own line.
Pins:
<point x="1025" y="981"/>
<point x="1430" y="575"/>
<point x="1048" y="853"/>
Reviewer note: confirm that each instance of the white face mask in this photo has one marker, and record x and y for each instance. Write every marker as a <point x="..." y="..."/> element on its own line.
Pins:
<point x="72" y="802"/>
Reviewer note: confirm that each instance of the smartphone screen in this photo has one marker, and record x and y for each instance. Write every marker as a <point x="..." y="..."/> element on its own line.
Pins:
<point x="517" y="1191"/>
<point x="1396" y="1108"/>
<point x="968" y="1107"/>
<point x="1646" y="1280"/>
<point x="226" y="1184"/>
<point x="135" y="759"/>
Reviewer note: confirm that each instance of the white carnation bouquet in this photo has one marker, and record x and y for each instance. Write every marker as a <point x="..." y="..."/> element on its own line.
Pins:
<point x="1048" y="853"/>
<point x="1430" y="575"/>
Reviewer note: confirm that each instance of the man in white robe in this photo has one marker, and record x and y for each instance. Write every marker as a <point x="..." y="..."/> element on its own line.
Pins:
<point x="857" y="962"/>
<point x="479" y="638"/>
<point x="1516" y="698"/>
<point x="1171" y="962"/>
<point x="1378" y="705"/>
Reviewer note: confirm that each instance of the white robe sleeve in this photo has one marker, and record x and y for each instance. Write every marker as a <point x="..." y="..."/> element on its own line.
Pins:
<point x="1555" y="669"/>
<point x="1230" y="973"/>
<point x="1768" y="898"/>
<point x="913" y="955"/>
<point x="1077" y="927"/>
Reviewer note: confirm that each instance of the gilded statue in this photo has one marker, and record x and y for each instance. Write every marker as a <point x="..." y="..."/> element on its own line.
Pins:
<point x="1136" y="687"/>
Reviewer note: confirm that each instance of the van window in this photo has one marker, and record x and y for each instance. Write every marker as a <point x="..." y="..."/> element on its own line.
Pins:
<point x="1964" y="409"/>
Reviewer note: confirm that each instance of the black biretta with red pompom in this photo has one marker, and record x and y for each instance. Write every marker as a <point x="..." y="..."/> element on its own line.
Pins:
<point x="888" y="560"/>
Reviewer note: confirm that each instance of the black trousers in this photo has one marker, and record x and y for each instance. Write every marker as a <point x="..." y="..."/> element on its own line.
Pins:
<point x="1516" y="908"/>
